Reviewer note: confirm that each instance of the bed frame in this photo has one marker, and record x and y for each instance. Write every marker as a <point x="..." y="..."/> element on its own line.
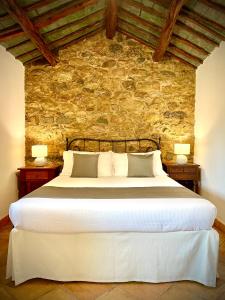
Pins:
<point x="143" y="144"/>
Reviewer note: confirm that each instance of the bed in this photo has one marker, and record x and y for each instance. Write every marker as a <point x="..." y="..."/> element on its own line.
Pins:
<point x="114" y="228"/>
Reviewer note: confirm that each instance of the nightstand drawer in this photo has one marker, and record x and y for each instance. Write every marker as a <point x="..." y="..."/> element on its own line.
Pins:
<point x="183" y="176"/>
<point x="189" y="170"/>
<point x="33" y="175"/>
<point x="175" y="170"/>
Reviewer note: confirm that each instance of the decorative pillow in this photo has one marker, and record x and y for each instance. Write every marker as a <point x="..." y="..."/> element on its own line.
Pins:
<point x="140" y="165"/>
<point x="85" y="165"/>
<point x="120" y="163"/>
<point x="157" y="162"/>
<point x="104" y="162"/>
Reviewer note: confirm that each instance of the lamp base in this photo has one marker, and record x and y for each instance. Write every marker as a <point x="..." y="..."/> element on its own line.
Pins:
<point x="40" y="161"/>
<point x="181" y="159"/>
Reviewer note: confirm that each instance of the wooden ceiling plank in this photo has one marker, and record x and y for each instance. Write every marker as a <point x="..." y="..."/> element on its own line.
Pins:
<point x="86" y="35"/>
<point x="52" y="16"/>
<point x="200" y="24"/>
<point x="197" y="33"/>
<point x="147" y="9"/>
<point x="97" y="24"/>
<point x="111" y="18"/>
<point x="148" y="23"/>
<point x="33" y="60"/>
<point x="28" y="27"/>
<point x="190" y="44"/>
<point x="10" y="33"/>
<point x="213" y="5"/>
<point x="61" y="12"/>
<point x="90" y="17"/>
<point x="134" y="37"/>
<point x="138" y="30"/>
<point x="36" y="5"/>
<point x="182" y="60"/>
<point x="204" y="19"/>
<point x="157" y="30"/>
<point x="29" y="8"/>
<point x="73" y="23"/>
<point x="184" y="53"/>
<point x="167" y="30"/>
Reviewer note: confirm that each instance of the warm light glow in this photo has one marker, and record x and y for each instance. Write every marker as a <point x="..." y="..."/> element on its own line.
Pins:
<point x="181" y="148"/>
<point x="39" y="151"/>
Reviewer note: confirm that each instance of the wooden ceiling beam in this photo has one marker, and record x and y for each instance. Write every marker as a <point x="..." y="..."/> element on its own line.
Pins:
<point x="28" y="27"/>
<point x="167" y="30"/>
<point x="111" y="18"/>
<point x="51" y="16"/>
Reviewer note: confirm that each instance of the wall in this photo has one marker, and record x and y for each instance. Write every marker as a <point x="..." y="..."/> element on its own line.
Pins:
<point x="109" y="89"/>
<point x="210" y="128"/>
<point x="12" y="124"/>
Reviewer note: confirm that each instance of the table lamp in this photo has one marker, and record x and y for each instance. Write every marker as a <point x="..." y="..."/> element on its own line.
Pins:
<point x="181" y="150"/>
<point x="40" y="152"/>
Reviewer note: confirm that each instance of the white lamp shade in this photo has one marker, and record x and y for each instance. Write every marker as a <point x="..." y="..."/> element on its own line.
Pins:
<point x="181" y="148"/>
<point x="39" y="151"/>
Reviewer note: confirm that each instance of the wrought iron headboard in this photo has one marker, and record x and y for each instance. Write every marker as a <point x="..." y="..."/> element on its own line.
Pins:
<point x="153" y="144"/>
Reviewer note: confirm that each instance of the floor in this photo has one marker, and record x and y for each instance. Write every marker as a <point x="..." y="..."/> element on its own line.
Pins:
<point x="49" y="290"/>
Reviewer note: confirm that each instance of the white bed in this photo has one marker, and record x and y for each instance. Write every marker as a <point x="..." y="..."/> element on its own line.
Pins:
<point x="113" y="240"/>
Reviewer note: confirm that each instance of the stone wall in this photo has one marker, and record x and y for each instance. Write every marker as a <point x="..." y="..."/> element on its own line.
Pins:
<point x="109" y="89"/>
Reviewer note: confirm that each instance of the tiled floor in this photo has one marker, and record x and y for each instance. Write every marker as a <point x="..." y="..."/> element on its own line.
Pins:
<point x="50" y="290"/>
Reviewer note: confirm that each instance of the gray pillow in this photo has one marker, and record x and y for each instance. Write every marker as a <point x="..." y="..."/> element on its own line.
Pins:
<point x="85" y="165"/>
<point x="140" y="165"/>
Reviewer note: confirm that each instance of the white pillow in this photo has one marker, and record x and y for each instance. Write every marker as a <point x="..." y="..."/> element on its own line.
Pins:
<point x="120" y="163"/>
<point x="104" y="162"/>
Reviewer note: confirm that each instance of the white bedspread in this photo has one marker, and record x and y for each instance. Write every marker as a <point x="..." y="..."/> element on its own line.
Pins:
<point x="112" y="215"/>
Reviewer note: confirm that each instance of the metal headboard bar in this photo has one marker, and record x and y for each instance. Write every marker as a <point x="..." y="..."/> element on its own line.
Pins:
<point x="112" y="142"/>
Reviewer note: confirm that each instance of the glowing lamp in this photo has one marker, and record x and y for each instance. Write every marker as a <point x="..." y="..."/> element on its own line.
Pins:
<point x="40" y="152"/>
<point x="181" y="150"/>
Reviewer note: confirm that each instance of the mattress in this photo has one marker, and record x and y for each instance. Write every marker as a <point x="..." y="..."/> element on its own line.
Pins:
<point x="66" y="215"/>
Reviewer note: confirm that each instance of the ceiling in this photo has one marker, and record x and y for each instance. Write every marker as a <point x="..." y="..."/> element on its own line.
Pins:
<point x="188" y="30"/>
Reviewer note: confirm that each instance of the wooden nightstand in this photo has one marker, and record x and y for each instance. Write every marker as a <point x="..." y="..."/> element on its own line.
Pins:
<point x="31" y="178"/>
<point x="187" y="174"/>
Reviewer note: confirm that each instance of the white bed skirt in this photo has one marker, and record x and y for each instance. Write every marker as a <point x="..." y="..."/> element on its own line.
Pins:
<point x="114" y="257"/>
